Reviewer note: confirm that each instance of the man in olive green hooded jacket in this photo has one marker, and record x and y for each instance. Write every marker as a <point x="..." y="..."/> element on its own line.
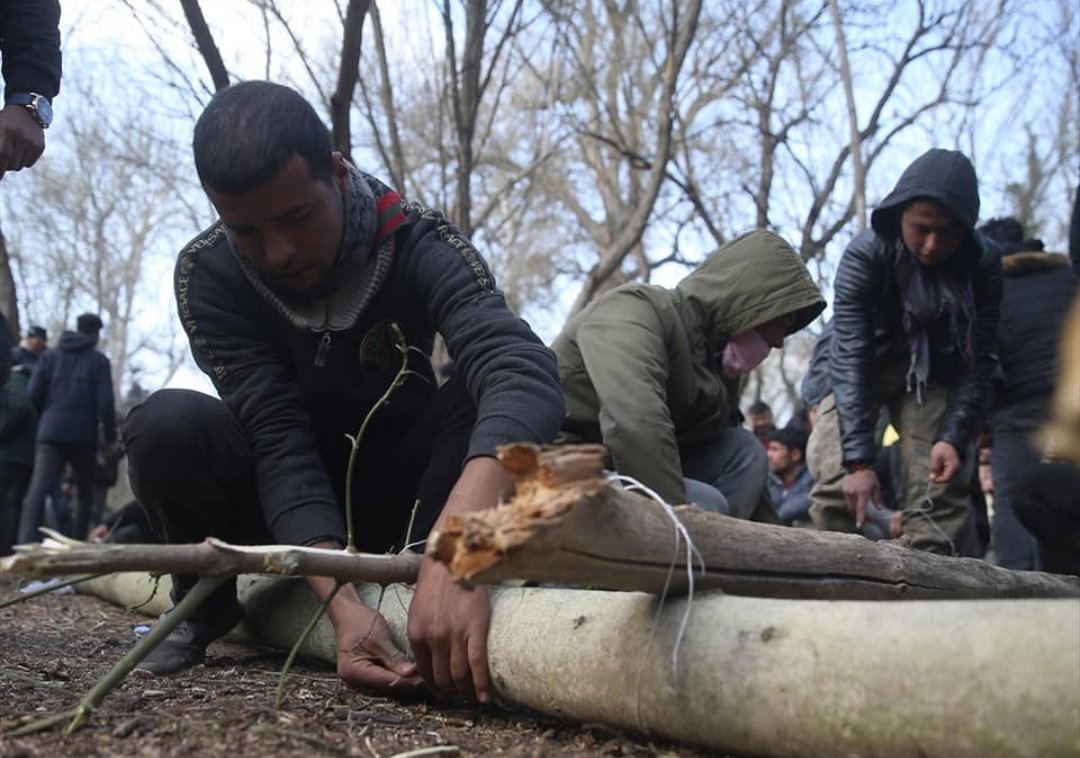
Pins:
<point x="654" y="373"/>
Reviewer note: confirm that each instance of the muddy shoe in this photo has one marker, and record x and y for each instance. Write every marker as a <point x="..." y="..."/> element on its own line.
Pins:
<point x="186" y="644"/>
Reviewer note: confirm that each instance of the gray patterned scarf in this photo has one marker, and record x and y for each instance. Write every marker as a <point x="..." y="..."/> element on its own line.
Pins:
<point x="930" y="295"/>
<point x="372" y="212"/>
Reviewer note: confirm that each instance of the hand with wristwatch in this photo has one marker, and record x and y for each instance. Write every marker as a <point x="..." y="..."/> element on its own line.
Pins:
<point x="23" y="121"/>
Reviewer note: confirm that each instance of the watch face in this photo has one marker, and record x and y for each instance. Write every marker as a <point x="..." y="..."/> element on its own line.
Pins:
<point x="43" y="108"/>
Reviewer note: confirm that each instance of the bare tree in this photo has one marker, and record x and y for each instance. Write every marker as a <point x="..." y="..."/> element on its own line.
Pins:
<point x="628" y="100"/>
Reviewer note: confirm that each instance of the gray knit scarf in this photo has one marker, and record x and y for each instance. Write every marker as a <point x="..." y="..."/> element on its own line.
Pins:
<point x="358" y="272"/>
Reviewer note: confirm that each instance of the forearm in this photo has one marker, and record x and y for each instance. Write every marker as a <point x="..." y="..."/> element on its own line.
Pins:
<point x="482" y="484"/>
<point x="345" y="598"/>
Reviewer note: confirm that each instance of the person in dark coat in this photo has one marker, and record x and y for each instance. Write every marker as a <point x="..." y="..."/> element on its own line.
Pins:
<point x="29" y="351"/>
<point x="915" y="320"/>
<point x="18" y="426"/>
<point x="318" y="291"/>
<point x="73" y="393"/>
<point x="789" y="480"/>
<point x="1039" y="288"/>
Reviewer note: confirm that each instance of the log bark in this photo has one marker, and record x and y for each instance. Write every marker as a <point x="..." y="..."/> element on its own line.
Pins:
<point x="751" y="675"/>
<point x="567" y="524"/>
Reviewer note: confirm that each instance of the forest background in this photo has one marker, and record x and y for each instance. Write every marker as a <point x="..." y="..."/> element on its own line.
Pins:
<point x="580" y="143"/>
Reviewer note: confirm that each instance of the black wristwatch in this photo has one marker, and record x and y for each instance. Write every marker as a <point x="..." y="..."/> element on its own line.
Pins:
<point x="38" y="105"/>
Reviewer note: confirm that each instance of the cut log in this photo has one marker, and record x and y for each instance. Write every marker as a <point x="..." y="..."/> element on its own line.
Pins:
<point x="567" y="524"/>
<point x="755" y="676"/>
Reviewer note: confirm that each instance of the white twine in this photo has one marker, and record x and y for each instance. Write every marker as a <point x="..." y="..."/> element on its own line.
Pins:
<point x="631" y="484"/>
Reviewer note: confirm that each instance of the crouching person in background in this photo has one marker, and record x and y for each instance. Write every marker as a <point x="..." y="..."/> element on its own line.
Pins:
<point x="654" y="374"/>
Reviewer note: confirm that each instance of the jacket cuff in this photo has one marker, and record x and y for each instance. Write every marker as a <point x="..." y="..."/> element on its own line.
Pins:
<point x="309" y="523"/>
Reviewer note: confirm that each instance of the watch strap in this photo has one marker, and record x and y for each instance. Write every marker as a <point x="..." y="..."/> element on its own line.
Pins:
<point x="32" y="101"/>
<point x="853" y="467"/>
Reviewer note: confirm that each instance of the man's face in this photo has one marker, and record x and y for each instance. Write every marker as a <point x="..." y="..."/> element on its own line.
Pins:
<point x="781" y="458"/>
<point x="760" y="423"/>
<point x="36" y="345"/>
<point x="290" y="227"/>
<point x="931" y="232"/>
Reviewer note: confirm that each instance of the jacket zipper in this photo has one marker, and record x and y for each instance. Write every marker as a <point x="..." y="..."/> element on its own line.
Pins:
<point x="323" y="350"/>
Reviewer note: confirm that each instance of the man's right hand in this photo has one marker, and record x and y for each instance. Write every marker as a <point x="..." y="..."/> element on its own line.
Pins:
<point x="367" y="657"/>
<point x="22" y="140"/>
<point x="860" y="489"/>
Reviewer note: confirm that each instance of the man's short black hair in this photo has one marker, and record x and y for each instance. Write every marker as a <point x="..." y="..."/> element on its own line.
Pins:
<point x="248" y="132"/>
<point x="759" y="407"/>
<point x="790" y="437"/>
<point x="37" y="331"/>
<point x="1008" y="233"/>
<point x="88" y="323"/>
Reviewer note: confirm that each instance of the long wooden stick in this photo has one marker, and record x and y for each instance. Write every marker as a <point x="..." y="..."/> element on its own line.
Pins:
<point x="59" y="555"/>
<point x="567" y="524"/>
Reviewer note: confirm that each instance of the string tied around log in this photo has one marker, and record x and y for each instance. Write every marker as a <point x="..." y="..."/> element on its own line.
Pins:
<point x="681" y="533"/>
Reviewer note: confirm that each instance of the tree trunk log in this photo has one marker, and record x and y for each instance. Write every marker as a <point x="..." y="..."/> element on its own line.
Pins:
<point x="568" y="524"/>
<point x="752" y="675"/>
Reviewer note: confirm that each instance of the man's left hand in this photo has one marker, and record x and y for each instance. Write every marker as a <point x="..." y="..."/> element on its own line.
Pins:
<point x="447" y="629"/>
<point x="944" y="462"/>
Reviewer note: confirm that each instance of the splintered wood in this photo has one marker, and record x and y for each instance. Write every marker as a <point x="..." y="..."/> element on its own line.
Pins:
<point x="548" y="483"/>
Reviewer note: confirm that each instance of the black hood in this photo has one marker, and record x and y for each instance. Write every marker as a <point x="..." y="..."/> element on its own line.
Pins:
<point x="945" y="176"/>
<point x="73" y="342"/>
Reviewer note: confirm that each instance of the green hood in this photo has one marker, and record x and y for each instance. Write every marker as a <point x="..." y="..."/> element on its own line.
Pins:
<point x="753" y="279"/>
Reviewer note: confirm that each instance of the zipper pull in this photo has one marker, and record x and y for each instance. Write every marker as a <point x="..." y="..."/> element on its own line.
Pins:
<point x="323" y="350"/>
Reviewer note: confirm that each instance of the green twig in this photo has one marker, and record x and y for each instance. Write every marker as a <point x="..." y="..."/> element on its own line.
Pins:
<point x="19" y="677"/>
<point x="192" y="600"/>
<point x="51" y="587"/>
<point x="399" y="379"/>
<point x="280" y="695"/>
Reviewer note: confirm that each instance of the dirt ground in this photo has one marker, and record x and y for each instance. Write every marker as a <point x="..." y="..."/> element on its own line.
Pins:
<point x="53" y="649"/>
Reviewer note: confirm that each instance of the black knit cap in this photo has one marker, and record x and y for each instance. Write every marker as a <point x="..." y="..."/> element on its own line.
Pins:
<point x="88" y="323"/>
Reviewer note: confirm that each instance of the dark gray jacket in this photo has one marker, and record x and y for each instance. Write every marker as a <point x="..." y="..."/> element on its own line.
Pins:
<point x="71" y="388"/>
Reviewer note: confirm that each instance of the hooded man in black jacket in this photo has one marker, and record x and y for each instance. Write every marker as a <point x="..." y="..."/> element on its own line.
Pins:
<point x="317" y="290"/>
<point x="914" y="326"/>
<point x="72" y="390"/>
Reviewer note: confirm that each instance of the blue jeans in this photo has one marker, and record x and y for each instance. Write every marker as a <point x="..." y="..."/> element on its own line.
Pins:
<point x="727" y="473"/>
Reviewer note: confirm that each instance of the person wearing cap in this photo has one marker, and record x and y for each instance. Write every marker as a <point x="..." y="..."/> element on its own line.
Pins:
<point x="654" y="373"/>
<point x="789" y="480"/>
<point x="72" y="391"/>
<point x="30" y="349"/>
<point x="915" y="320"/>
